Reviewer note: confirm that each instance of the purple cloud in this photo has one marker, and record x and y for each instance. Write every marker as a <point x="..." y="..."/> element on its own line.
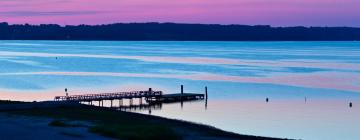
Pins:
<point x="274" y="12"/>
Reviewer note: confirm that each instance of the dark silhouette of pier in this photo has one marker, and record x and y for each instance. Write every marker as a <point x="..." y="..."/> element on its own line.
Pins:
<point x="150" y="96"/>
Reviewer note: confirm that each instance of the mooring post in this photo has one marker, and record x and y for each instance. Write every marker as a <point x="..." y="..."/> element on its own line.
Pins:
<point x="206" y="92"/>
<point x="182" y="89"/>
<point x="350" y="104"/>
<point x="150" y="90"/>
<point x="111" y="103"/>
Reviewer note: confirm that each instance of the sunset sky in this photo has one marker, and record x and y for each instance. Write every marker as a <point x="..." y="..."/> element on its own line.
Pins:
<point x="264" y="12"/>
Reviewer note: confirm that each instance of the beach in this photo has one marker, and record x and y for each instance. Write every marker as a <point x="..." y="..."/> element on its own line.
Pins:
<point x="89" y="122"/>
<point x="15" y="127"/>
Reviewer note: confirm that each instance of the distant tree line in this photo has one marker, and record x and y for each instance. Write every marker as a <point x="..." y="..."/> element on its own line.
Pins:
<point x="176" y="32"/>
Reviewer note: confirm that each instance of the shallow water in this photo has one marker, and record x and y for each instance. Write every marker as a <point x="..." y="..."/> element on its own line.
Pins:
<point x="240" y="75"/>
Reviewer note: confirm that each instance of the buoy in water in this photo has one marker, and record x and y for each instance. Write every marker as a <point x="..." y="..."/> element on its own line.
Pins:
<point x="350" y="104"/>
<point x="267" y="99"/>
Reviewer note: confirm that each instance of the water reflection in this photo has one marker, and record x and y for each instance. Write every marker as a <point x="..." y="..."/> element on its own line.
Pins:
<point x="142" y="105"/>
<point x="312" y="86"/>
<point x="314" y="119"/>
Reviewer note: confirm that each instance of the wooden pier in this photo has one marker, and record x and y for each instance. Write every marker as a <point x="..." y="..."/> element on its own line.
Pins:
<point x="111" y="96"/>
<point x="150" y="96"/>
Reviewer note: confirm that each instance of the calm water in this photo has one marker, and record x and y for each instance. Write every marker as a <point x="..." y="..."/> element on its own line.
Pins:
<point x="240" y="75"/>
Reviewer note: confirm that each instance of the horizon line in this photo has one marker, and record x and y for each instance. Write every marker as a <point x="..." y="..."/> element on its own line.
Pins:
<point x="184" y="23"/>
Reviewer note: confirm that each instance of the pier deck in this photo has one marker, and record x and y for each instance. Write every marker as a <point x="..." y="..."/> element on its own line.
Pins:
<point x="150" y="96"/>
<point x="176" y="97"/>
<point x="110" y="96"/>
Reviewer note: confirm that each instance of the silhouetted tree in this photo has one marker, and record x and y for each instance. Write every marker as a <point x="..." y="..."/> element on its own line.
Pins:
<point x="176" y="32"/>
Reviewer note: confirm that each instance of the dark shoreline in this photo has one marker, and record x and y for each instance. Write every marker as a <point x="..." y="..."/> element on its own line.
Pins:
<point x="154" y="31"/>
<point x="180" y="129"/>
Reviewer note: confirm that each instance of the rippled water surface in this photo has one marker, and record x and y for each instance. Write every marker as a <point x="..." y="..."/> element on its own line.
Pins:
<point x="309" y="84"/>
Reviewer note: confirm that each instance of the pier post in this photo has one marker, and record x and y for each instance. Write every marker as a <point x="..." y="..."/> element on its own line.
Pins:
<point x="206" y="103"/>
<point x="182" y="89"/>
<point x="111" y="103"/>
<point x="206" y="92"/>
<point x="120" y="102"/>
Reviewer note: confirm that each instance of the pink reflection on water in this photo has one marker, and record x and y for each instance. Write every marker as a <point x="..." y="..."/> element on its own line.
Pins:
<point x="328" y="80"/>
<point x="204" y="60"/>
<point x="295" y="119"/>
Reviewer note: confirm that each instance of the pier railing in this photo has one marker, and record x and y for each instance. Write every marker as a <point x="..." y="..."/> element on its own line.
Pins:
<point x="110" y="96"/>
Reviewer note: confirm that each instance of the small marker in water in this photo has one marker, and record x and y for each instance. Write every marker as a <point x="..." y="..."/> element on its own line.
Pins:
<point x="350" y="104"/>
<point x="267" y="99"/>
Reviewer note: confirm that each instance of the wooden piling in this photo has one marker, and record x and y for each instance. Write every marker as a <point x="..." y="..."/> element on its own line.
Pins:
<point x="182" y="89"/>
<point x="206" y="92"/>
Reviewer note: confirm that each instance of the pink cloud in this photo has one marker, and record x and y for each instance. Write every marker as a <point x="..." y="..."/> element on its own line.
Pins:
<point x="275" y="12"/>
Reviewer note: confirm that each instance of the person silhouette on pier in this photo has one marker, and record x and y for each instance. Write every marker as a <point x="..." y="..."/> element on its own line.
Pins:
<point x="66" y="92"/>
